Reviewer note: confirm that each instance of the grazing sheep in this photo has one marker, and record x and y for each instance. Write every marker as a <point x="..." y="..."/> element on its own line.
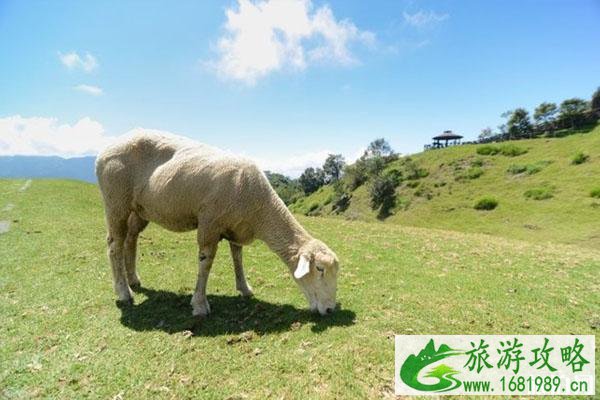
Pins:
<point x="183" y="185"/>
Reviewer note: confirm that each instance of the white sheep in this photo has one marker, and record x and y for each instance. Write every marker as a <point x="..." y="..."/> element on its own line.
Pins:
<point x="184" y="185"/>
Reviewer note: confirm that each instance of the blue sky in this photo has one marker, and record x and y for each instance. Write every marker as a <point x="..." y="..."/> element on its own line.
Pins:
<point x="284" y="82"/>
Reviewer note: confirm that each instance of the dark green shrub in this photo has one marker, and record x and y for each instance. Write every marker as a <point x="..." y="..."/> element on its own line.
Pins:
<point x="533" y="169"/>
<point x="394" y="174"/>
<point x="509" y="150"/>
<point x="313" y="207"/>
<point x="413" y="184"/>
<point x="474" y="172"/>
<point x="516" y="169"/>
<point x="486" y="203"/>
<point x="471" y="173"/>
<point x="528" y="169"/>
<point x="413" y="171"/>
<point x="595" y="193"/>
<point x="478" y="162"/>
<point x="512" y="150"/>
<point x="540" y="193"/>
<point x="424" y="191"/>
<point x="580" y="158"/>
<point x="488" y="150"/>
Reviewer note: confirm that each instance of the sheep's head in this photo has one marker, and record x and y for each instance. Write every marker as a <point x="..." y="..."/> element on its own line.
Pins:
<point x="316" y="273"/>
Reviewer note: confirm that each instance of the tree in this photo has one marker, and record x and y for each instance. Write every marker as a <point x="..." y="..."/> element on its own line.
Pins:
<point x="519" y="125"/>
<point x="374" y="165"/>
<point x="311" y="180"/>
<point x="379" y="148"/>
<point x="341" y="198"/>
<point x="333" y="166"/>
<point x="544" y="116"/>
<point x="356" y="174"/>
<point x="572" y="111"/>
<point x="503" y="128"/>
<point x="485" y="134"/>
<point x="383" y="195"/>
<point x="595" y="103"/>
<point x="288" y="189"/>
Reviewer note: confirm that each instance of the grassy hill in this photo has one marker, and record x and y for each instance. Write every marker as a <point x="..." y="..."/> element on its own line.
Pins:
<point x="460" y="176"/>
<point x="62" y="336"/>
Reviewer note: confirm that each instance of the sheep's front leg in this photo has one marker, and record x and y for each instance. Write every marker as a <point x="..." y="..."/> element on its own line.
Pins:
<point x="240" y="279"/>
<point x="199" y="302"/>
<point x="116" y="239"/>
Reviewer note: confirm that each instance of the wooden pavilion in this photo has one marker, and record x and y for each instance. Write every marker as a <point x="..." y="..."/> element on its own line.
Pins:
<point x="448" y="138"/>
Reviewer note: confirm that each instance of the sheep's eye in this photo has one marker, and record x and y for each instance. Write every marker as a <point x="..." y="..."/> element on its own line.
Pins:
<point x="320" y="269"/>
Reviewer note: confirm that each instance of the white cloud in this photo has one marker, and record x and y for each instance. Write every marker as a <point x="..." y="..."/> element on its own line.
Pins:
<point x="45" y="136"/>
<point x="293" y="165"/>
<point x="72" y="60"/>
<point x="270" y="35"/>
<point x="422" y="19"/>
<point x="89" y="89"/>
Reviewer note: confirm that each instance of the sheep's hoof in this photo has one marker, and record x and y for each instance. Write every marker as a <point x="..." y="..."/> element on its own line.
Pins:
<point x="136" y="286"/>
<point x="124" y="303"/>
<point x="201" y="309"/>
<point x="246" y="292"/>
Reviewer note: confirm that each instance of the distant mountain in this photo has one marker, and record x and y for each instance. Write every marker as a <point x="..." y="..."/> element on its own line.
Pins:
<point x="81" y="168"/>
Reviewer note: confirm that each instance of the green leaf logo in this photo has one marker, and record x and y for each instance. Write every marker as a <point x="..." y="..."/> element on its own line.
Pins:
<point x="409" y="372"/>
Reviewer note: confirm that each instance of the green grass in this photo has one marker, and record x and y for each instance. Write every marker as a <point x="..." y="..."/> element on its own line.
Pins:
<point x="62" y="335"/>
<point x="570" y="217"/>
<point x="317" y="202"/>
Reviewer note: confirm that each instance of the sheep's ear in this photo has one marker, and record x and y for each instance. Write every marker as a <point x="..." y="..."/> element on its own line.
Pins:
<point x="302" y="268"/>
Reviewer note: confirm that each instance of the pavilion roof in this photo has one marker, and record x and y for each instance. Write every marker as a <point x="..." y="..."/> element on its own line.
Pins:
<point x="447" y="135"/>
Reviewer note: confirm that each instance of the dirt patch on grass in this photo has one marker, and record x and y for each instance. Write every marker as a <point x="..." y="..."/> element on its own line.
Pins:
<point x="4" y="227"/>
<point x="25" y="186"/>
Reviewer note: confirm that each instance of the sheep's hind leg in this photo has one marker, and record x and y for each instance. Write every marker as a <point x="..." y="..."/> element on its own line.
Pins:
<point x="240" y="279"/>
<point x="200" y="306"/>
<point x="117" y="231"/>
<point x="135" y="225"/>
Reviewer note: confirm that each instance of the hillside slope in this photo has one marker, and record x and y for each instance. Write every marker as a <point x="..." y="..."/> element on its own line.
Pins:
<point x="63" y="337"/>
<point x="459" y="176"/>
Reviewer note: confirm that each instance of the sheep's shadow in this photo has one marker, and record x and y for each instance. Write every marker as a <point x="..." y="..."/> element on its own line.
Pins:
<point x="171" y="312"/>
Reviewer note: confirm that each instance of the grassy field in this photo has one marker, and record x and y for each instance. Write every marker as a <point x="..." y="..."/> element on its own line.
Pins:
<point x="62" y="336"/>
<point x="459" y="176"/>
